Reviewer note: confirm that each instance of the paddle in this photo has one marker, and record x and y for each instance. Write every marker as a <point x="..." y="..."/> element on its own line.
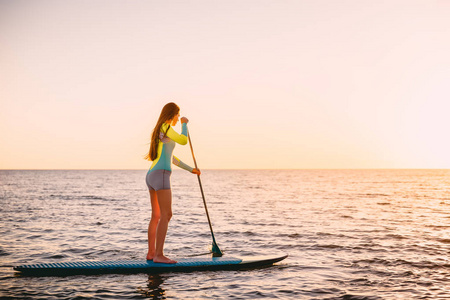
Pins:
<point x="215" y="248"/>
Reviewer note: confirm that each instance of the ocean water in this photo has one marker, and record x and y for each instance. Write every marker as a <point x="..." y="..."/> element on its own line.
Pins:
<point x="350" y="234"/>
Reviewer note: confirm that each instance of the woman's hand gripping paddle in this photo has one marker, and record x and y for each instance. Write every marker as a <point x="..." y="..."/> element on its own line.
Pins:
<point x="215" y="248"/>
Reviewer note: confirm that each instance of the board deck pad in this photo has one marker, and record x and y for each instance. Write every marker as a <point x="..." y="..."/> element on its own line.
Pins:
<point x="138" y="266"/>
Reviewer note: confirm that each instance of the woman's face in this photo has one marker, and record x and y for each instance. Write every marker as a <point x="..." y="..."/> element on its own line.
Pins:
<point x="175" y="119"/>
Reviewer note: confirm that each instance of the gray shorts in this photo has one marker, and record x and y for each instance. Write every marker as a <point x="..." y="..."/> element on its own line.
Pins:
<point x="158" y="180"/>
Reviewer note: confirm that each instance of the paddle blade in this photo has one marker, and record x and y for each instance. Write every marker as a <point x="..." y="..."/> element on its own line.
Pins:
<point x="216" y="251"/>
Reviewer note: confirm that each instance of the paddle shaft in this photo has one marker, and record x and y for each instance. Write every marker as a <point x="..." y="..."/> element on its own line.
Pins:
<point x="215" y="246"/>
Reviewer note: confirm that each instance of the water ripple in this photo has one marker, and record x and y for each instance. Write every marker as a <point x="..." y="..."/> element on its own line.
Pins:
<point x="350" y="234"/>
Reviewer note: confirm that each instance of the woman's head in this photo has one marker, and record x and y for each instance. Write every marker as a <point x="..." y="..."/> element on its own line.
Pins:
<point x="169" y="114"/>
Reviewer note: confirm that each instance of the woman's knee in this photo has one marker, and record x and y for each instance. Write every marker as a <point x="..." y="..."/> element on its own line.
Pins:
<point x="155" y="217"/>
<point x="166" y="215"/>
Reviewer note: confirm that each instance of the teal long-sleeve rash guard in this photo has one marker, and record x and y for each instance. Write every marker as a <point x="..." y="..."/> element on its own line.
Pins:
<point x="166" y="146"/>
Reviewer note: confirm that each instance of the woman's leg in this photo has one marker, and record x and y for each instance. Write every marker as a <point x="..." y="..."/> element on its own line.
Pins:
<point x="153" y="224"/>
<point x="165" y="204"/>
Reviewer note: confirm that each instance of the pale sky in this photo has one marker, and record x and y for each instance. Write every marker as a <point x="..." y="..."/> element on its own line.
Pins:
<point x="265" y="84"/>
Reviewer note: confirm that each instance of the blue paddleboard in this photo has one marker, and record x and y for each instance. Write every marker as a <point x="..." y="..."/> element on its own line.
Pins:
<point x="143" y="266"/>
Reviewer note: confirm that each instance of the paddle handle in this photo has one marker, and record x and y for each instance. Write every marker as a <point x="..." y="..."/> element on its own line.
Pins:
<point x="216" y="249"/>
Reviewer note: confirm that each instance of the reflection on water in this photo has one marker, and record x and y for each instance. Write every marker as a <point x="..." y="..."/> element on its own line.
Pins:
<point x="153" y="289"/>
<point x="350" y="234"/>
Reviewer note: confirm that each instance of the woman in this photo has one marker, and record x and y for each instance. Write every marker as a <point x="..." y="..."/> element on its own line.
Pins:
<point x="158" y="177"/>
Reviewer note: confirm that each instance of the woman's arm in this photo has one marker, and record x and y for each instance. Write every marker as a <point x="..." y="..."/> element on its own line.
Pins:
<point x="177" y="162"/>
<point x="178" y="138"/>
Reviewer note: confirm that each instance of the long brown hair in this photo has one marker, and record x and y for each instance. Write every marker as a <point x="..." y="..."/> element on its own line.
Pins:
<point x="169" y="111"/>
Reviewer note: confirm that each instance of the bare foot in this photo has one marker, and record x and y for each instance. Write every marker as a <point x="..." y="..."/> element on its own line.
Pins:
<point x="164" y="260"/>
<point x="150" y="256"/>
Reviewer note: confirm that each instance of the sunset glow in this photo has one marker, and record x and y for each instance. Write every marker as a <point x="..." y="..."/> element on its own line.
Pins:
<point x="265" y="84"/>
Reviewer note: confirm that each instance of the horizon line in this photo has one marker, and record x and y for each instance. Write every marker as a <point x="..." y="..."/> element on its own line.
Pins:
<point x="225" y="169"/>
